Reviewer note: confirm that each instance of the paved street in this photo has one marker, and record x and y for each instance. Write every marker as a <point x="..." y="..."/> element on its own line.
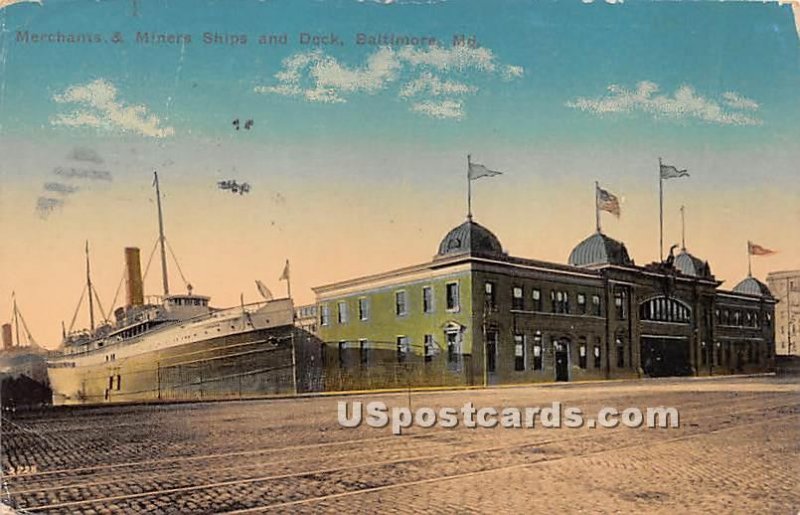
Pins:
<point x="736" y="451"/>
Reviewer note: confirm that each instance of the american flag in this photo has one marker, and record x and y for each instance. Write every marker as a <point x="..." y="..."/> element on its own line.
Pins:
<point x="608" y="202"/>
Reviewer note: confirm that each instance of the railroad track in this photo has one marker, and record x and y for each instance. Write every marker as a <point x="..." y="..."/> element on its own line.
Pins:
<point x="373" y="475"/>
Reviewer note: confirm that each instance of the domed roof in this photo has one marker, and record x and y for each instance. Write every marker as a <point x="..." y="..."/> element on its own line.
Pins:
<point x="752" y="286"/>
<point x="599" y="249"/>
<point x="470" y="237"/>
<point x="688" y="264"/>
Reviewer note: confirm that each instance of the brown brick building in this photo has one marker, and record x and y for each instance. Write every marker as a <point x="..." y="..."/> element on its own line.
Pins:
<point x="520" y="320"/>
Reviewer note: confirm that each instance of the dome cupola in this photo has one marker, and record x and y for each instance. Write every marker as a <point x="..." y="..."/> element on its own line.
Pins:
<point x="687" y="264"/>
<point x="752" y="286"/>
<point x="470" y="237"/>
<point x="599" y="249"/>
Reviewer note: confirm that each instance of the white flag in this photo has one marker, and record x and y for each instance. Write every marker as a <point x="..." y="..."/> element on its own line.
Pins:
<point x="285" y="275"/>
<point x="476" y="171"/>
<point x="263" y="290"/>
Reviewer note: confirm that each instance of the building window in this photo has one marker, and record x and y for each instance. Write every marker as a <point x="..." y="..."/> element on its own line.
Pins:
<point x="597" y="360"/>
<point x="491" y="351"/>
<point x="403" y="349"/>
<point x="519" y="352"/>
<point x="491" y="296"/>
<point x="662" y="309"/>
<point x="560" y="301"/>
<point x="620" y="353"/>
<point x="363" y="308"/>
<point x="582" y="353"/>
<point x="400" y="306"/>
<point x="427" y="299"/>
<point x="453" y="301"/>
<point x="428" y="348"/>
<point x="516" y="298"/>
<point x="537" y="351"/>
<point x="536" y="295"/>
<point x="342" y="347"/>
<point x="621" y="303"/>
<point x="582" y="303"/>
<point x="363" y="352"/>
<point x="324" y="315"/>
<point x="342" y="312"/>
<point x="596" y="307"/>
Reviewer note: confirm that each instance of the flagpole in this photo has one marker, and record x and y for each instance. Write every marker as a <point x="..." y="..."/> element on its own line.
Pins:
<point x="683" y="229"/>
<point x="469" y="188"/>
<point x="749" y="261"/>
<point x="288" y="280"/>
<point x="596" y="204"/>
<point x="660" y="213"/>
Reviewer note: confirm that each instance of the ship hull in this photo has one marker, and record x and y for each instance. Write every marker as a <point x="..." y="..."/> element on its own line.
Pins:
<point x="258" y="362"/>
<point x="235" y="360"/>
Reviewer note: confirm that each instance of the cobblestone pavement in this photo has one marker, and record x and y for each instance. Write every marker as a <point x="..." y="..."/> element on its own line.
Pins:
<point x="736" y="451"/>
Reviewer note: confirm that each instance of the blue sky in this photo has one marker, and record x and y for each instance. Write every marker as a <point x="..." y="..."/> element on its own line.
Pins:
<point x="568" y="50"/>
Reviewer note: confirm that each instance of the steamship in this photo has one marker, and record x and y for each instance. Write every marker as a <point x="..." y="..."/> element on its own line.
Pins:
<point x="174" y="346"/>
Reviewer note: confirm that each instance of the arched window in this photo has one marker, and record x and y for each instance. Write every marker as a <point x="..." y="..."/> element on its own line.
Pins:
<point x="664" y="309"/>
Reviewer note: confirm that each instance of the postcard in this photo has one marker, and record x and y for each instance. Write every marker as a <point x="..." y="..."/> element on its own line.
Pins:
<point x="451" y="256"/>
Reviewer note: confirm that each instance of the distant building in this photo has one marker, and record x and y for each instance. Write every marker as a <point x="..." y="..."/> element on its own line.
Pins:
<point x="786" y="288"/>
<point x="474" y="315"/>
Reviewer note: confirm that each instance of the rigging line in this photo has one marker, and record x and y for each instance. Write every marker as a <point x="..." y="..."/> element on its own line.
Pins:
<point x="150" y="259"/>
<point x="77" y="308"/>
<point x="27" y="331"/>
<point x="99" y="304"/>
<point x="178" y="265"/>
<point x="116" y="294"/>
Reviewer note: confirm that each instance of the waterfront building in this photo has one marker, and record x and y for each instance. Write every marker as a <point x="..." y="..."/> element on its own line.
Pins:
<point x="475" y="315"/>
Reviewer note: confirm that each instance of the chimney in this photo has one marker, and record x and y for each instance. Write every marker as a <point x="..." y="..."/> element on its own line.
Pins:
<point x="8" y="341"/>
<point x="133" y="277"/>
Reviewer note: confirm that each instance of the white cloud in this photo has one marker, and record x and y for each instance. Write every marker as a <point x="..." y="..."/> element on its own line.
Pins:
<point x="433" y="85"/>
<point x="684" y="103"/>
<point x="737" y="101"/>
<point x="6" y="3"/>
<point x="318" y="77"/>
<point x="103" y="110"/>
<point x="446" y="109"/>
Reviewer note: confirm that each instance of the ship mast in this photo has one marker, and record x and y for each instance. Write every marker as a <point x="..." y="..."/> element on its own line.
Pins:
<point x="89" y="288"/>
<point x="16" y="318"/>
<point x="161" y="238"/>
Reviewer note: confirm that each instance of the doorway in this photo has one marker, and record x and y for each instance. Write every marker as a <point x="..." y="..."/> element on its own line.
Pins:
<point x="562" y="360"/>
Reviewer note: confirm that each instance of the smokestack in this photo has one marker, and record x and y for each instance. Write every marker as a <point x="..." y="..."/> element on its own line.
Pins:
<point x="133" y="277"/>
<point x="8" y="341"/>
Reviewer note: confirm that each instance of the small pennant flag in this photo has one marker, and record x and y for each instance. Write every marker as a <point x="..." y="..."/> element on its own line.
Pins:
<point x="608" y="202"/>
<point x="263" y="290"/>
<point x="476" y="171"/>
<point x="670" y="172"/>
<point x="758" y="250"/>
<point x="285" y="275"/>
